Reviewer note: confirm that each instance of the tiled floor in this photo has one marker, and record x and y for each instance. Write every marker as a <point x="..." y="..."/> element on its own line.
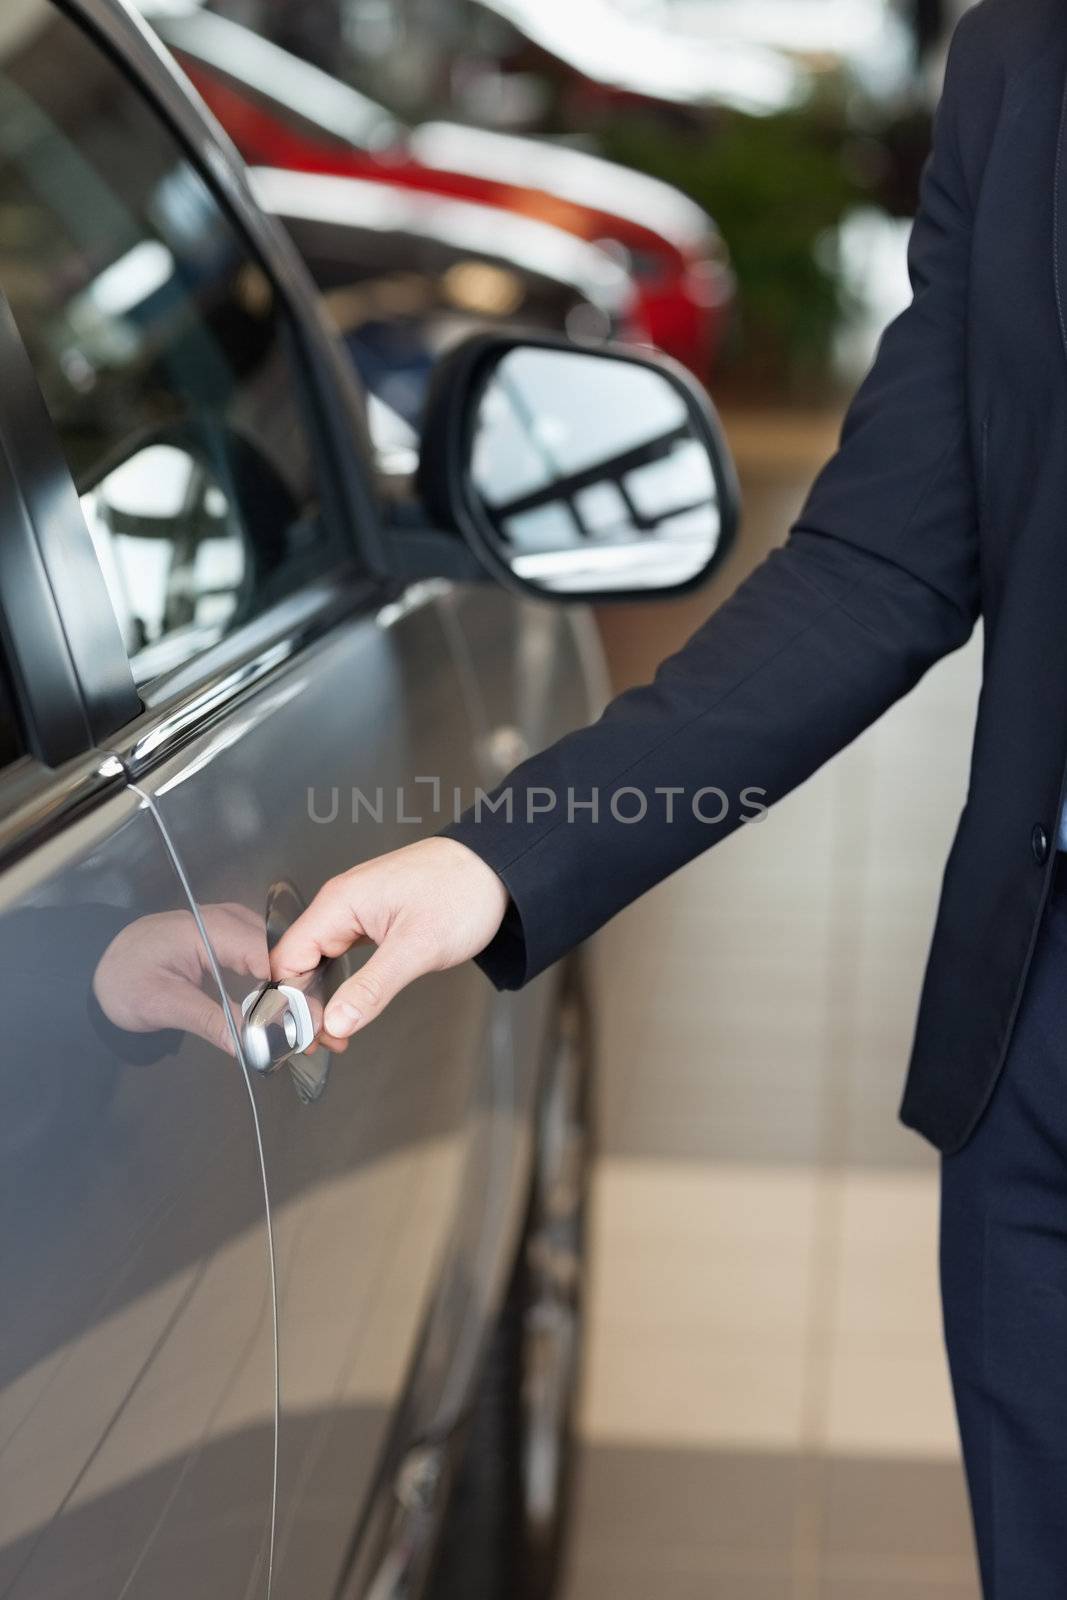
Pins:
<point x="766" y="1414"/>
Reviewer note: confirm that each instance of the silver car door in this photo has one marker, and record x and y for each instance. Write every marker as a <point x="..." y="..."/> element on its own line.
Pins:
<point x="279" y="684"/>
<point x="137" y="1352"/>
<point x="378" y="1162"/>
<point x="276" y="679"/>
<point x="137" y="1349"/>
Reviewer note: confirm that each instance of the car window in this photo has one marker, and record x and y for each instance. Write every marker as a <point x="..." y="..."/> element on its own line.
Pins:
<point x="165" y="359"/>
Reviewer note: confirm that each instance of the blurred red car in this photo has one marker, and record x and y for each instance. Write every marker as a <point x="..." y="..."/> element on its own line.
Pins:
<point x="282" y="112"/>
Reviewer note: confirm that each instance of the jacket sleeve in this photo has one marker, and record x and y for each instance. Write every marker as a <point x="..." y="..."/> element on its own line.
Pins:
<point x="877" y="581"/>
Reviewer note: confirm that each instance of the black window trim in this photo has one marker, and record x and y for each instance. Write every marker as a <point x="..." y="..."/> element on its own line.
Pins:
<point x="70" y="673"/>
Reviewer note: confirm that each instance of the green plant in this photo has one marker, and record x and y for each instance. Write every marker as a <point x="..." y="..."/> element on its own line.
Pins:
<point x="778" y="187"/>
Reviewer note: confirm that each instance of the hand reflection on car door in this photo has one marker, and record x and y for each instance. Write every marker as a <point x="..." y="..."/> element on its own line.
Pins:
<point x="155" y="976"/>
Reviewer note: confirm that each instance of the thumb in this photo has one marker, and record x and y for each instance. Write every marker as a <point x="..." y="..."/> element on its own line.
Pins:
<point x="324" y="931"/>
<point x="398" y="961"/>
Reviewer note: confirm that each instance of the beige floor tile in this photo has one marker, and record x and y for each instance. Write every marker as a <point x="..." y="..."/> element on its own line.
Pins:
<point x="890" y="1402"/>
<point x="653" y="1199"/>
<point x="921" y="1586"/>
<point x="874" y="1137"/>
<point x="654" y="1504"/>
<point x="737" y="1285"/>
<point x="659" y="1389"/>
<point x="594" y="1582"/>
<point x="764" y="1119"/>
<point x="885" y="1517"/>
<point x="884" y="1210"/>
<point x="700" y="1261"/>
<point x="886" y="1289"/>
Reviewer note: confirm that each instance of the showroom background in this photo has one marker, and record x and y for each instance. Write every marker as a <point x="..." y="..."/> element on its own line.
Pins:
<point x="765" y="1409"/>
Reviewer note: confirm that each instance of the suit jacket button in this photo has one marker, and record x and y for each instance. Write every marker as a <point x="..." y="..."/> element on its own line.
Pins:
<point x="1039" y="844"/>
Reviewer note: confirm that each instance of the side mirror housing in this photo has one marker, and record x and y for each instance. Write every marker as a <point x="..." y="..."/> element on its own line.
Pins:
<point x="578" y="474"/>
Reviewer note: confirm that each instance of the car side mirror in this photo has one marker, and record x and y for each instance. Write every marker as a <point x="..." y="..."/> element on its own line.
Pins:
<point x="578" y="473"/>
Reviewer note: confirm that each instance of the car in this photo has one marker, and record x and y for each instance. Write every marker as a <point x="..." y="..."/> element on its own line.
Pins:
<point x="871" y="44"/>
<point x="284" y="112"/>
<point x="404" y="275"/>
<point x="276" y="1323"/>
<point x="631" y="53"/>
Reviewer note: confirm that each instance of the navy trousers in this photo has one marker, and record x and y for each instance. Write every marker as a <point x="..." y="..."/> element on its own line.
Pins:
<point x="1004" y="1290"/>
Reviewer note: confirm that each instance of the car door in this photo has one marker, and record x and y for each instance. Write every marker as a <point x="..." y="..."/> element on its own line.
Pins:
<point x="137" y="1354"/>
<point x="298" y="716"/>
<point x="376" y="1161"/>
<point x="137" y="1351"/>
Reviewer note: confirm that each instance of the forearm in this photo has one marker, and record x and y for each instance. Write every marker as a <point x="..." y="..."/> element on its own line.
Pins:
<point x="814" y="647"/>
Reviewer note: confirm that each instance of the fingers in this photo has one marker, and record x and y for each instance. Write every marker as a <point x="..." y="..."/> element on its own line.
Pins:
<point x="326" y="929"/>
<point x="395" y="964"/>
<point x="239" y="940"/>
<point x="189" y="1009"/>
<point x="430" y="906"/>
<point x="326" y="1040"/>
<point x="336" y="1047"/>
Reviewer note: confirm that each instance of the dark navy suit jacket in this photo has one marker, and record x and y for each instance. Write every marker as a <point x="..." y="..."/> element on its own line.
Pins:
<point x="946" y="501"/>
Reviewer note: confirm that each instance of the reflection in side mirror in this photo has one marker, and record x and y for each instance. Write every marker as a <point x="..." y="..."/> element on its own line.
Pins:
<point x="583" y="473"/>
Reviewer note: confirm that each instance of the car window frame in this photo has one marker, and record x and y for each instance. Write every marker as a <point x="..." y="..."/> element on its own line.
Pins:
<point x="353" y="574"/>
<point x="69" y="672"/>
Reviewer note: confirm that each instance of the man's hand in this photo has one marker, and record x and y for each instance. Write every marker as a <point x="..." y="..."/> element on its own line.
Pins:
<point x="152" y="974"/>
<point x="427" y="907"/>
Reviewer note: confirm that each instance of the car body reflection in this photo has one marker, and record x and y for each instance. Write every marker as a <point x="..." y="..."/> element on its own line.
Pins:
<point x="283" y="112"/>
<point x="406" y="275"/>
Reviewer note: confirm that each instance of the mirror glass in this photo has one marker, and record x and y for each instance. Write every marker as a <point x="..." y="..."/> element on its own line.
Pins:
<point x="593" y="473"/>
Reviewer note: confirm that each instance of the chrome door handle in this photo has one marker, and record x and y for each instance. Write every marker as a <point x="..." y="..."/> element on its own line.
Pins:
<point x="277" y="1025"/>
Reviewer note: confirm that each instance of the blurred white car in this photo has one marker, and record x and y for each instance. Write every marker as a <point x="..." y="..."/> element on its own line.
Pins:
<point x="870" y="40"/>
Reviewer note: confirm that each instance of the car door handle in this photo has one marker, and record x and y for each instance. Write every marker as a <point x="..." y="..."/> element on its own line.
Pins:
<point x="277" y="1025"/>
